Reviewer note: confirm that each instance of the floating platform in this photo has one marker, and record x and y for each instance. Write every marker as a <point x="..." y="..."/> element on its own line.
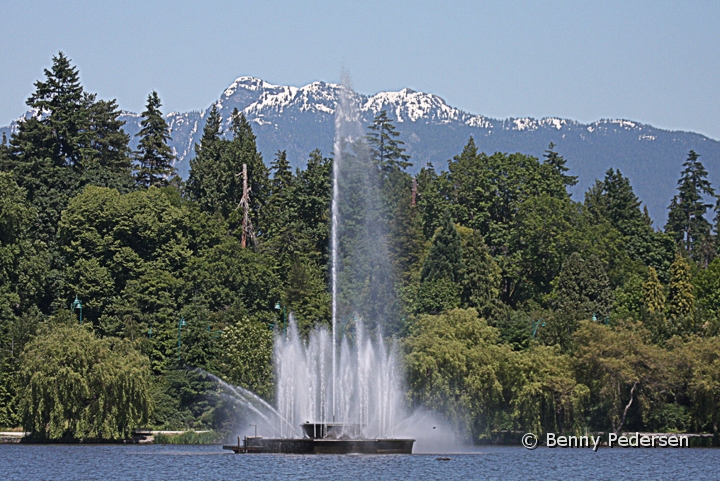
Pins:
<point x="258" y="444"/>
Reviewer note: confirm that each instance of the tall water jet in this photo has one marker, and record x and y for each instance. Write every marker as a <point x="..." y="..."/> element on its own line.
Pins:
<point x="347" y="129"/>
<point x="343" y="386"/>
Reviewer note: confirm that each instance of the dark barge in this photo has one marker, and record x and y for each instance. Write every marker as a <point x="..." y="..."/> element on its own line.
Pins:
<point x="323" y="439"/>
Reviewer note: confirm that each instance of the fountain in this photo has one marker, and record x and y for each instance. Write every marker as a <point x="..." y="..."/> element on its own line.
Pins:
<point x="341" y="390"/>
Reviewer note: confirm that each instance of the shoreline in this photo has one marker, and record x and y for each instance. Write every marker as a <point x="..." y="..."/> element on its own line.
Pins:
<point x="140" y="436"/>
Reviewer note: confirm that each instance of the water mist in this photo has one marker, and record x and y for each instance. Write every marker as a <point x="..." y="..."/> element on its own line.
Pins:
<point x="347" y="375"/>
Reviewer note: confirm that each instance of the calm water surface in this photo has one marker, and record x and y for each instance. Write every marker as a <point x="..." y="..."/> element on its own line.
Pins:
<point x="172" y="462"/>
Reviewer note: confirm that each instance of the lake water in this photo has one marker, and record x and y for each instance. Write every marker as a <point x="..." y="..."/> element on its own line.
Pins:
<point x="173" y="462"/>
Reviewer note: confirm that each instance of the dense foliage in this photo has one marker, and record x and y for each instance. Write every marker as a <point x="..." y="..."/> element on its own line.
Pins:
<point x="74" y="385"/>
<point x="517" y="307"/>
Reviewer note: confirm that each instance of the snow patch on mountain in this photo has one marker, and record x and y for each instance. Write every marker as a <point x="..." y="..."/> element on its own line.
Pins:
<point x="409" y="105"/>
<point x="247" y="83"/>
<point x="553" y="122"/>
<point x="480" y="122"/>
<point x="525" y="124"/>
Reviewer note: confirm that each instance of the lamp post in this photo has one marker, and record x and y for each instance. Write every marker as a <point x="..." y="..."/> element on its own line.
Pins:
<point x="213" y="333"/>
<point x="181" y="323"/>
<point x="279" y="307"/>
<point x="77" y="304"/>
<point x="536" y="325"/>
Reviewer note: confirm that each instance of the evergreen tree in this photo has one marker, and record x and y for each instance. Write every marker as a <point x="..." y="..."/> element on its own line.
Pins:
<point x="312" y="193"/>
<point x="445" y="260"/>
<point x="557" y="163"/>
<point x="481" y="279"/>
<point x="72" y="140"/>
<point x="205" y="185"/>
<point x="212" y="130"/>
<point x="386" y="149"/>
<point x="215" y="179"/>
<point x="155" y="158"/>
<point x="583" y="288"/>
<point x="388" y="153"/>
<point x="407" y="241"/>
<point x="432" y="199"/>
<point x="404" y="236"/>
<point x="653" y="307"/>
<point x="71" y="128"/>
<point x="279" y="212"/>
<point x="56" y="129"/>
<point x="5" y="165"/>
<point x="582" y="292"/>
<point x="107" y="161"/>
<point x="653" y="295"/>
<point x="681" y="300"/>
<point x="282" y="174"/>
<point x="107" y="142"/>
<point x="441" y="277"/>
<point x="470" y="180"/>
<point x="707" y="285"/>
<point x="686" y="219"/>
<point x="614" y="200"/>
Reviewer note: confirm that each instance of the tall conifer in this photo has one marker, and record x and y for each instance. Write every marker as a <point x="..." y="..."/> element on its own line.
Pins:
<point x="653" y="303"/>
<point x="71" y="140"/>
<point x="280" y="204"/>
<point x="444" y="261"/>
<point x="557" y="163"/>
<point x="282" y="173"/>
<point x="155" y="158"/>
<point x="583" y="288"/>
<point x="686" y="219"/>
<point x="681" y="300"/>
<point x="204" y="185"/>
<point x="212" y="130"/>
<point x="653" y="295"/>
<point x="614" y="200"/>
<point x="582" y="292"/>
<point x="385" y="147"/>
<point x="482" y="275"/>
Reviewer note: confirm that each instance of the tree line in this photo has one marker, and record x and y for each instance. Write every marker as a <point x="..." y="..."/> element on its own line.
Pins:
<point x="516" y="306"/>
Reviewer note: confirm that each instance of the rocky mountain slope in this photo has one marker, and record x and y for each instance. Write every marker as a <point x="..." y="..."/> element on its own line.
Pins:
<point x="300" y="119"/>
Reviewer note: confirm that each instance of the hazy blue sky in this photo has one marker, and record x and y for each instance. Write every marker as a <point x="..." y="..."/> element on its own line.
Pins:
<point x="656" y="62"/>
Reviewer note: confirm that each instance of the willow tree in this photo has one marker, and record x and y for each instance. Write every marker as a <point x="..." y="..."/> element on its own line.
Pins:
<point x="701" y="358"/>
<point x="75" y="386"/>
<point x="622" y="370"/>
<point x="454" y="366"/>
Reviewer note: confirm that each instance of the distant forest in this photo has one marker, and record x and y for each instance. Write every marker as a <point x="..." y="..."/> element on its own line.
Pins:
<point x="515" y="308"/>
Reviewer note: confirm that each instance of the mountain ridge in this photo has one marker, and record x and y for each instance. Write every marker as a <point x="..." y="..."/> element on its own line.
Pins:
<point x="300" y="119"/>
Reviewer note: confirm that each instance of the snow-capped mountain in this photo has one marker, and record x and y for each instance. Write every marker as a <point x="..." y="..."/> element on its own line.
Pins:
<point x="301" y="119"/>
